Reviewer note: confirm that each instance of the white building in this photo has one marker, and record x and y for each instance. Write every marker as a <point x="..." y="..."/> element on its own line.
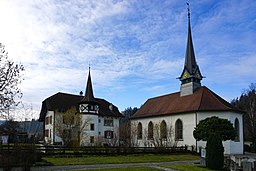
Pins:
<point x="102" y="117"/>
<point x="170" y="119"/>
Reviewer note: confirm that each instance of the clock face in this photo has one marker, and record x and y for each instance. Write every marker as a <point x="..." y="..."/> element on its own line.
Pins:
<point x="83" y="108"/>
<point x="198" y="74"/>
<point x="185" y="75"/>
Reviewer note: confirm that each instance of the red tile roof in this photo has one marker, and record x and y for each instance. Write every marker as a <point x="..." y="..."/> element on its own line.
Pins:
<point x="203" y="99"/>
<point x="63" y="101"/>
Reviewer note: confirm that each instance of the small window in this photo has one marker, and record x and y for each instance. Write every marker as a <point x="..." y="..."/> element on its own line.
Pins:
<point x="178" y="130"/>
<point x="139" y="131"/>
<point x="108" y="134"/>
<point x="150" y="130"/>
<point x="91" y="139"/>
<point x="108" y="122"/>
<point x="99" y="120"/>
<point x="99" y="133"/>
<point x="46" y="120"/>
<point x="237" y="138"/>
<point x="92" y="127"/>
<point x="50" y="120"/>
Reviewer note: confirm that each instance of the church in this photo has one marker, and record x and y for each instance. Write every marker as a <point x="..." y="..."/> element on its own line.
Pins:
<point x="169" y="120"/>
<point x="101" y="118"/>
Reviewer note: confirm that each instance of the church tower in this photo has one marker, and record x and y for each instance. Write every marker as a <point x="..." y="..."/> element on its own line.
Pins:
<point x="191" y="76"/>
<point x="88" y="104"/>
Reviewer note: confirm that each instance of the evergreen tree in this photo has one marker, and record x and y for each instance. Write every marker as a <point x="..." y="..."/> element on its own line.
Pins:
<point x="214" y="130"/>
<point x="214" y="152"/>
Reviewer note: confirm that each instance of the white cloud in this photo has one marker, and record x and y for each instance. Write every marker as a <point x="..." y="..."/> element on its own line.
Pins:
<point x="128" y="44"/>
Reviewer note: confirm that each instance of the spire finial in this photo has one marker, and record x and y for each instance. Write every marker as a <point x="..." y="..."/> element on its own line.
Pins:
<point x="188" y="9"/>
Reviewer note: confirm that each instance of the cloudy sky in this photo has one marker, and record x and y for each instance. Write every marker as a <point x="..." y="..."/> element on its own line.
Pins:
<point x="135" y="48"/>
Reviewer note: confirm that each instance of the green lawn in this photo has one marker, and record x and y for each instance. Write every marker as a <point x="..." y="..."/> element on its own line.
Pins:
<point x="117" y="159"/>
<point x="188" y="167"/>
<point x="127" y="169"/>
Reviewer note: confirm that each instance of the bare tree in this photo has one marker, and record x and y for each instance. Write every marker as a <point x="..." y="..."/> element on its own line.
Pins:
<point x="10" y="77"/>
<point x="163" y="136"/>
<point x="125" y="134"/>
<point x="134" y="133"/>
<point x="99" y="140"/>
<point x="70" y="126"/>
<point x="157" y="140"/>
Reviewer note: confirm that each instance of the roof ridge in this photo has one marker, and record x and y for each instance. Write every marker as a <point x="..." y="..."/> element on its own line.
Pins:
<point x="163" y="95"/>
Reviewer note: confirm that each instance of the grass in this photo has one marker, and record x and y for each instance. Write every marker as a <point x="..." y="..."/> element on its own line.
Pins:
<point x="57" y="161"/>
<point x="127" y="169"/>
<point x="188" y="167"/>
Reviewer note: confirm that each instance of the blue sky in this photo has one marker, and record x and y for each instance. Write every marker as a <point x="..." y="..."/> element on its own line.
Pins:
<point x="135" y="48"/>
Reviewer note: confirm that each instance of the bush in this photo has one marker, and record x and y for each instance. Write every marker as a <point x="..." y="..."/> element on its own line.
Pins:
<point x="19" y="155"/>
<point x="214" y="152"/>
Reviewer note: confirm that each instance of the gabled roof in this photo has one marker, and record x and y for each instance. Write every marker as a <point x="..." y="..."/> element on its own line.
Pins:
<point x="63" y="101"/>
<point x="203" y="99"/>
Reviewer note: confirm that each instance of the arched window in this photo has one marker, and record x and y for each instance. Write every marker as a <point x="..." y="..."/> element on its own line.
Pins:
<point x="237" y="129"/>
<point x="163" y="130"/>
<point x="139" y="131"/>
<point x="150" y="130"/>
<point x="178" y="130"/>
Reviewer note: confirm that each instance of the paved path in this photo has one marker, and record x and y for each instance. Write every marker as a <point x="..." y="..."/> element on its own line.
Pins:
<point x="104" y="166"/>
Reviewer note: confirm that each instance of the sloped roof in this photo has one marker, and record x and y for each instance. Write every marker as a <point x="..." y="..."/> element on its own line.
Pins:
<point x="203" y="99"/>
<point x="63" y="101"/>
<point x="89" y="97"/>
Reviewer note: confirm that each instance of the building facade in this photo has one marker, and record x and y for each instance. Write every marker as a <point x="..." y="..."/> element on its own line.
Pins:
<point x="169" y="120"/>
<point x="98" y="122"/>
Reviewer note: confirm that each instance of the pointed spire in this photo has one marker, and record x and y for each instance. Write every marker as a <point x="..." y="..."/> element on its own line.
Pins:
<point x="88" y="97"/>
<point x="190" y="60"/>
<point x="191" y="76"/>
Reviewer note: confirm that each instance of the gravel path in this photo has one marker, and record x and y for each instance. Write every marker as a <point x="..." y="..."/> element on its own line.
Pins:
<point x="104" y="166"/>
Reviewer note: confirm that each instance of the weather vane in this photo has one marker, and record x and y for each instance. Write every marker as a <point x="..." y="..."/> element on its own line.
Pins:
<point x="188" y="9"/>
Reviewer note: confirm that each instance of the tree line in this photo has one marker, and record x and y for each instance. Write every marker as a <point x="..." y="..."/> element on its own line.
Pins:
<point x="247" y="103"/>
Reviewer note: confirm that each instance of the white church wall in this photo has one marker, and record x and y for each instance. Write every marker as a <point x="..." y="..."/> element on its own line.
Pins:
<point x="230" y="147"/>
<point x="189" y="121"/>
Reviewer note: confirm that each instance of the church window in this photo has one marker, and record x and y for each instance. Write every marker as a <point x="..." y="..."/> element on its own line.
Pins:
<point x="178" y="130"/>
<point x="163" y="130"/>
<point x="150" y="130"/>
<point x="237" y="129"/>
<point x="139" y="131"/>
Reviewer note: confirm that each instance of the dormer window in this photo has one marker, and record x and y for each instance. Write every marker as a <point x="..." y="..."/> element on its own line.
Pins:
<point x="110" y="107"/>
